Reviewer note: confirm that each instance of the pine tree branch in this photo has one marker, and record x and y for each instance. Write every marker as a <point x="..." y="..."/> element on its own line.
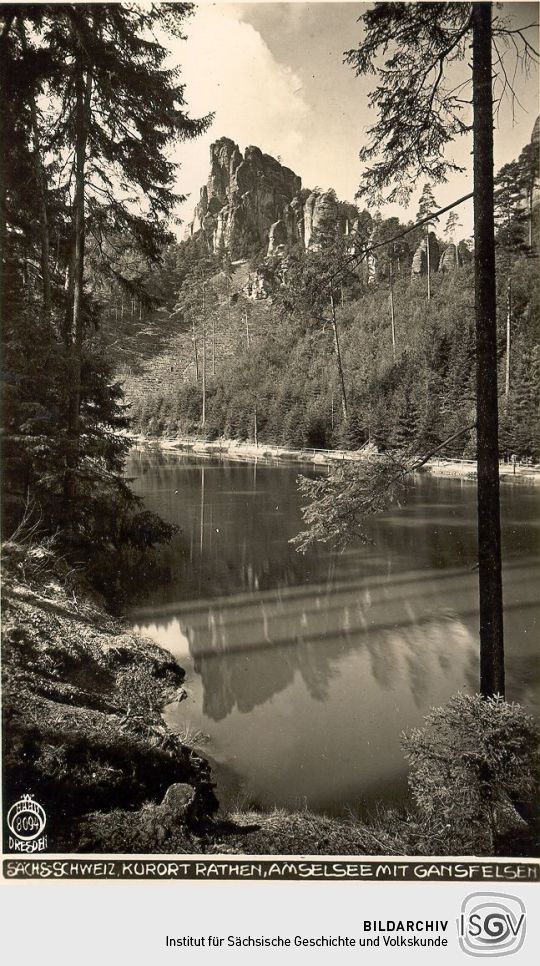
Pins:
<point x="450" y="439"/>
<point x="7" y="25"/>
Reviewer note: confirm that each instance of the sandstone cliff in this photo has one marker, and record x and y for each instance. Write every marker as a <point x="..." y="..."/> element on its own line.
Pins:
<point x="419" y="262"/>
<point x="244" y="196"/>
<point x="252" y="202"/>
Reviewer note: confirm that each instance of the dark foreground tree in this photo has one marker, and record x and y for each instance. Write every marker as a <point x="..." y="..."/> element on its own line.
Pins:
<point x="487" y="413"/>
<point x="411" y="47"/>
<point x="91" y="110"/>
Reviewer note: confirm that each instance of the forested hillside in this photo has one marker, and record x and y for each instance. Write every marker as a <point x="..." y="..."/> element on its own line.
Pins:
<point x="407" y="348"/>
<point x="288" y="376"/>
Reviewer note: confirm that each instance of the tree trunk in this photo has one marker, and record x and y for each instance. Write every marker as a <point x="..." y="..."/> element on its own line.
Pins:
<point x="428" y="262"/>
<point x="195" y="353"/>
<point x="83" y="87"/>
<point x="489" y="527"/>
<point x="4" y="148"/>
<point x="508" y="340"/>
<point x="392" y="316"/>
<point x="203" y="417"/>
<point x="42" y="190"/>
<point x="338" y="357"/>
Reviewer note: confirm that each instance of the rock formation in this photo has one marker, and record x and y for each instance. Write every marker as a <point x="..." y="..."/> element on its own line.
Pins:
<point x="419" y="262"/>
<point x="449" y="259"/>
<point x="243" y="198"/>
<point x="454" y="256"/>
<point x="251" y="202"/>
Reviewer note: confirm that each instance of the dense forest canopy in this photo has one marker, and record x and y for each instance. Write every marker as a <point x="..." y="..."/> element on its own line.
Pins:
<point x="89" y="111"/>
<point x="408" y="360"/>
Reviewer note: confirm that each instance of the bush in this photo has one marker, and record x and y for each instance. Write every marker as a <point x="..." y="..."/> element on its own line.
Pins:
<point x="470" y="765"/>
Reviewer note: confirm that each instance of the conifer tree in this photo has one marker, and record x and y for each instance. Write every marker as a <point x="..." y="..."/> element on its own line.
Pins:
<point x="426" y="207"/>
<point x="418" y="114"/>
<point x="88" y="90"/>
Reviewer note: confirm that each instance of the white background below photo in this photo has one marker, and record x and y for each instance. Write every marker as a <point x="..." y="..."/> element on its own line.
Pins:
<point x="82" y="924"/>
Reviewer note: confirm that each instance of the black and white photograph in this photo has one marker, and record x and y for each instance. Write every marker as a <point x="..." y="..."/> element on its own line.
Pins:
<point x="270" y="434"/>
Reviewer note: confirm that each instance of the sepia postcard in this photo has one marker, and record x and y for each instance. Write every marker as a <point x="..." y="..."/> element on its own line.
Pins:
<point x="271" y="451"/>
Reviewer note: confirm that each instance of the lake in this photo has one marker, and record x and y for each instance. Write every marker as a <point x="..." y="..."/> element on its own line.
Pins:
<point x="303" y="670"/>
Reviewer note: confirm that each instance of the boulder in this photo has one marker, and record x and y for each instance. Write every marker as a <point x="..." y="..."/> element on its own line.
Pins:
<point x="177" y="801"/>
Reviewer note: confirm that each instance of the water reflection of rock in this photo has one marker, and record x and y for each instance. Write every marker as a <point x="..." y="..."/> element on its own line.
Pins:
<point x="257" y="615"/>
<point x="246" y="650"/>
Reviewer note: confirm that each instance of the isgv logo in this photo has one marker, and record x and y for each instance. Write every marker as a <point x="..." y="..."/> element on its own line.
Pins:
<point x="26" y="820"/>
<point x="491" y="924"/>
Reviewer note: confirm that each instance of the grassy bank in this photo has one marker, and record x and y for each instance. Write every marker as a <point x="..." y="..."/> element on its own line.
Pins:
<point x="82" y="700"/>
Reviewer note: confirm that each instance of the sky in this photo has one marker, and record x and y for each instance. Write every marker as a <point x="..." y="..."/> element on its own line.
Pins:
<point x="273" y="75"/>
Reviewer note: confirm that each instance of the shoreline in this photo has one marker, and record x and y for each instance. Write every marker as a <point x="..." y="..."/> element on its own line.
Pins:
<point x="83" y="705"/>
<point x="249" y="452"/>
<point x="84" y="694"/>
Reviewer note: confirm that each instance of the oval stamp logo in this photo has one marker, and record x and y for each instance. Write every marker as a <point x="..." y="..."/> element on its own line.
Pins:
<point x="26" y="820"/>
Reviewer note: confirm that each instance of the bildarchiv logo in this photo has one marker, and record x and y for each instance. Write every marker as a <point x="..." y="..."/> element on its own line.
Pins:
<point x="26" y="821"/>
<point x="491" y="924"/>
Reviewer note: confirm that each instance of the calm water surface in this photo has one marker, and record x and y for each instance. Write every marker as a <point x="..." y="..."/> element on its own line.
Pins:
<point x="305" y="669"/>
